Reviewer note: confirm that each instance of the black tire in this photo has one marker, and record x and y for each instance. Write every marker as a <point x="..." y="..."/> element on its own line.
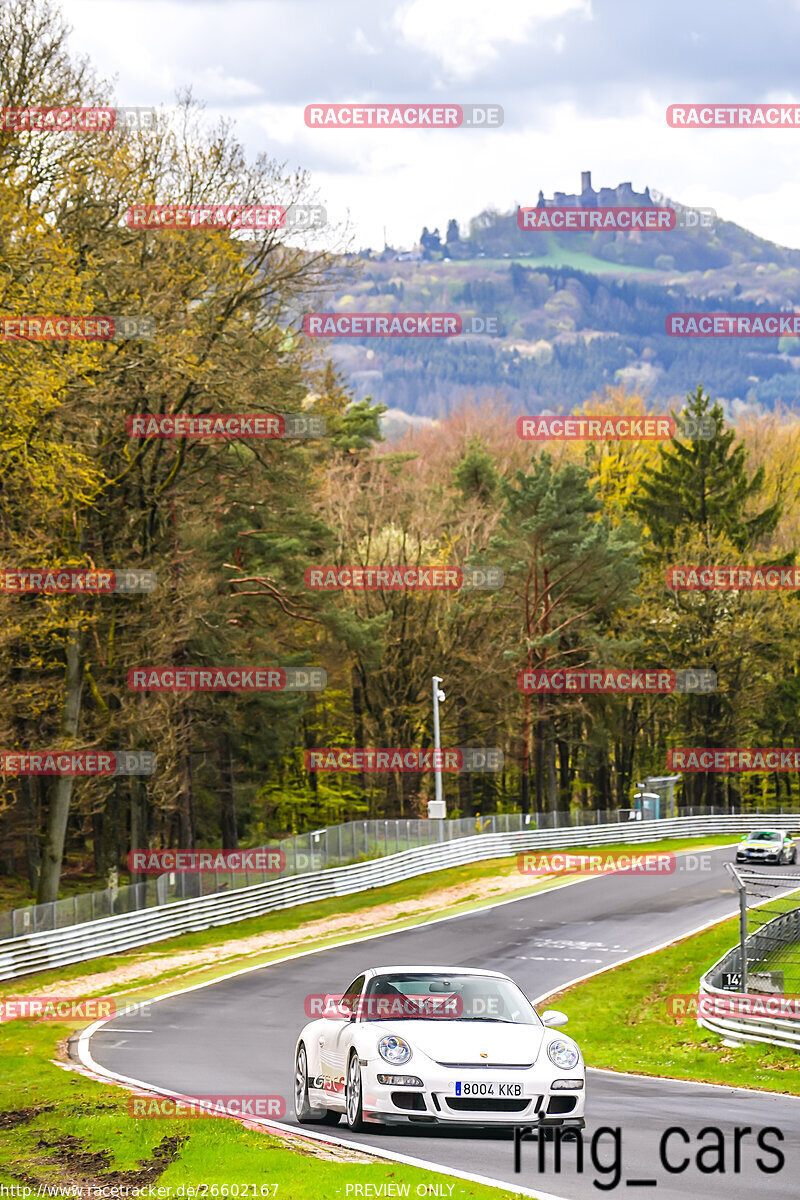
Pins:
<point x="793" y="858"/>
<point x="354" y="1095"/>
<point x="302" y="1107"/>
<point x="303" y="1110"/>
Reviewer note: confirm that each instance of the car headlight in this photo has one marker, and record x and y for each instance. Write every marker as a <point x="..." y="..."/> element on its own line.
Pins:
<point x="563" y="1055"/>
<point x="394" y="1050"/>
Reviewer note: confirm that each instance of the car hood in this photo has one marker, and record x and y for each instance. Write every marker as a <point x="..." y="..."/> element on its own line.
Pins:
<point x="447" y="1041"/>
<point x="770" y="847"/>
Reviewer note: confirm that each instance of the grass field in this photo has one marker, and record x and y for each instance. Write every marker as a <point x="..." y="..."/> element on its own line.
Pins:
<point x="561" y="256"/>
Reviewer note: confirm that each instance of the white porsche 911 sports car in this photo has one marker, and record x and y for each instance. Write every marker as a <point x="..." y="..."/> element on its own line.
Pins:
<point x="436" y="1045"/>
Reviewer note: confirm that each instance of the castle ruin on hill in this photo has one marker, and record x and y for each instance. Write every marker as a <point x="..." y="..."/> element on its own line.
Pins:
<point x="623" y="194"/>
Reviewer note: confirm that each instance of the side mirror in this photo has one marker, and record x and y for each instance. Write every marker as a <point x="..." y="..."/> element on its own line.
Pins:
<point x="551" y="1017"/>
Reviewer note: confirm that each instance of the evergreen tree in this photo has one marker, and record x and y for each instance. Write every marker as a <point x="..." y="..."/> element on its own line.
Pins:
<point x="476" y="474"/>
<point x="703" y="483"/>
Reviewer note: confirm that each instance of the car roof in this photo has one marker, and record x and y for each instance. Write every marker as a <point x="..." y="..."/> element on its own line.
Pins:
<point x="437" y="970"/>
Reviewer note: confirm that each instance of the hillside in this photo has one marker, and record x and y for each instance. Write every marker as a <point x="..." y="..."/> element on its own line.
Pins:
<point x="580" y="311"/>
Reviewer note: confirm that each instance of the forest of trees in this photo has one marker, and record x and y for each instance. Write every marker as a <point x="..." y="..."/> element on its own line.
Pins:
<point x="583" y="536"/>
<point x="595" y="326"/>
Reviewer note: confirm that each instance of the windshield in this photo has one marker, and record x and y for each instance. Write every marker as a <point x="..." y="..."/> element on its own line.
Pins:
<point x="415" y="996"/>
<point x="764" y="836"/>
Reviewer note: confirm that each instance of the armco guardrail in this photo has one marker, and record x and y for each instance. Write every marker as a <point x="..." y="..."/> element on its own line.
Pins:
<point x="776" y="1031"/>
<point x="55" y="948"/>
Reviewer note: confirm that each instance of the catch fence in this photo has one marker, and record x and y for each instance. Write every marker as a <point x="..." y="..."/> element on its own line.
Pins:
<point x="766" y="961"/>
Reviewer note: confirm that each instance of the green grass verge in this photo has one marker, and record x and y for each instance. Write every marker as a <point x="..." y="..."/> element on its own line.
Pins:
<point x="620" y="1020"/>
<point x="57" y="1127"/>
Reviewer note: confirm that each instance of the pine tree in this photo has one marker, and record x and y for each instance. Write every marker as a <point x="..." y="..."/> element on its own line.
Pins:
<point x="703" y="484"/>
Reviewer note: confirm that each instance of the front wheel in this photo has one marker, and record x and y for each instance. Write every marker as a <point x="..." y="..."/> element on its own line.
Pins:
<point x="353" y="1095"/>
<point x="302" y="1108"/>
<point x="305" y="1114"/>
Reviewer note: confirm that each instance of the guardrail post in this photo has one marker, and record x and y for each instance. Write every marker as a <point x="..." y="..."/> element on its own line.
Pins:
<point x="743" y="936"/>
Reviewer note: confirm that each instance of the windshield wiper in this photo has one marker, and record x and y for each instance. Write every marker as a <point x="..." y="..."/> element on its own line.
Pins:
<point x="499" y="1020"/>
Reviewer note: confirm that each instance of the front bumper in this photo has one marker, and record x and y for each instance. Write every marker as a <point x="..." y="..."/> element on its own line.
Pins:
<point x="749" y="856"/>
<point x="436" y="1103"/>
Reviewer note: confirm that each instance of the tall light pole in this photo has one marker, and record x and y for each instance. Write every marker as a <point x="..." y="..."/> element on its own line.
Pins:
<point x="438" y="695"/>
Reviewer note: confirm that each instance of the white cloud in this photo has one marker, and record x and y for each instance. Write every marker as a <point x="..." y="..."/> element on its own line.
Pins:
<point x="363" y="44"/>
<point x="214" y="84"/>
<point x="467" y="35"/>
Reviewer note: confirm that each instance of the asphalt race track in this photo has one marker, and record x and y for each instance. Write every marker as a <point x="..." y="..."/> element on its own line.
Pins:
<point x="237" y="1036"/>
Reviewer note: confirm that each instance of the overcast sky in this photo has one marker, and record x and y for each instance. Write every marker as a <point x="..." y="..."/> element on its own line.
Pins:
<point x="584" y="85"/>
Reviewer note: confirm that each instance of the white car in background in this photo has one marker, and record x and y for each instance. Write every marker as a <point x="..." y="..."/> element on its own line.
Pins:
<point x="437" y="1045"/>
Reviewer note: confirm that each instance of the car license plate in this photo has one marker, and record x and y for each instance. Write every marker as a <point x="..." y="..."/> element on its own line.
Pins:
<point x="496" y="1090"/>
